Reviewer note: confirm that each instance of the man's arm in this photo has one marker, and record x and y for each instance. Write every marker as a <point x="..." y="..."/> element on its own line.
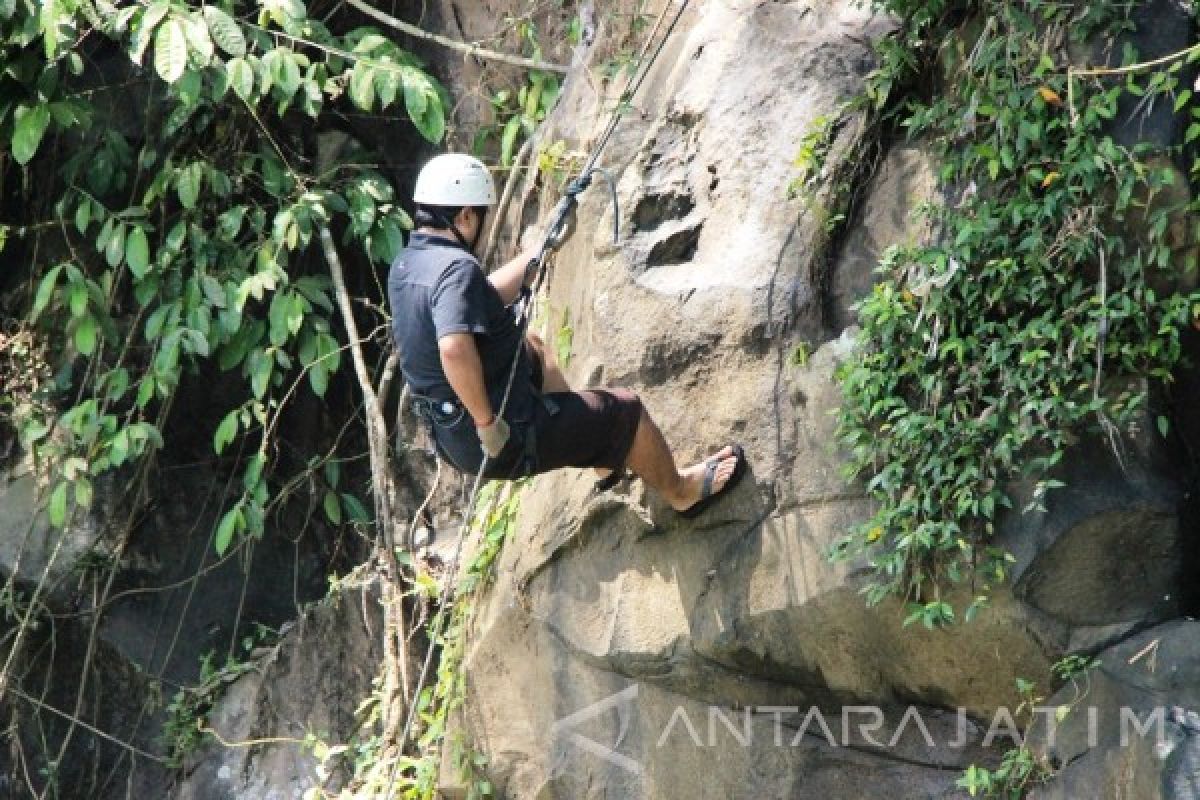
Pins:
<point x="507" y="279"/>
<point x="464" y="371"/>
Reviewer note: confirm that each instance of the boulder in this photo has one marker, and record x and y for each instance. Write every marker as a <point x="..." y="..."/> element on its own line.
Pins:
<point x="311" y="683"/>
<point x="31" y="549"/>
<point x="556" y="727"/>
<point x="1134" y="727"/>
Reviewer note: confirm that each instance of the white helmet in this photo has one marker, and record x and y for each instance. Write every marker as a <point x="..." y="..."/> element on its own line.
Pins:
<point x="455" y="180"/>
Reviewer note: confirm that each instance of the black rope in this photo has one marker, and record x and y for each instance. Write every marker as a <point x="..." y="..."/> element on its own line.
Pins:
<point x="631" y="90"/>
<point x="557" y="233"/>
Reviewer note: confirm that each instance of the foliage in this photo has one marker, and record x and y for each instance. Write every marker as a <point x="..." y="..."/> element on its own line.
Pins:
<point x="176" y="235"/>
<point x="519" y="113"/>
<point x="1056" y="287"/>
<point x="557" y="165"/>
<point x="375" y="769"/>
<point x="635" y="22"/>
<point x="183" y="731"/>
<point x="563" y="339"/>
<point x="1020" y="768"/>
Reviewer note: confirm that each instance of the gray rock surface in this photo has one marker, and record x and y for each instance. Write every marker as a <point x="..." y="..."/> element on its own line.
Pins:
<point x="717" y="282"/>
<point x="1134" y="730"/>
<point x="31" y="550"/>
<point x="310" y="683"/>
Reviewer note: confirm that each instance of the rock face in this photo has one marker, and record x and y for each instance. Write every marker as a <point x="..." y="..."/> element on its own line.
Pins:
<point x="310" y="683"/>
<point x="1134" y="730"/>
<point x="171" y="601"/>
<point x="728" y="309"/>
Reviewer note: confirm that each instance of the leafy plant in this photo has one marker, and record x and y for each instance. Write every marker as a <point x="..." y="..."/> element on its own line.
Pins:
<point x="182" y="245"/>
<point x="183" y="731"/>
<point x="519" y="113"/>
<point x="1020" y="768"/>
<point x="1058" y="283"/>
<point x="373" y="767"/>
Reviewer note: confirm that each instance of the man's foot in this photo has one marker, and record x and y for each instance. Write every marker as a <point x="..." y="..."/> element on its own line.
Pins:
<point x="705" y="482"/>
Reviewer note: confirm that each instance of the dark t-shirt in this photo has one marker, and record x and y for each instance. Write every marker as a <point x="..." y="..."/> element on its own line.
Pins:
<point x="436" y="288"/>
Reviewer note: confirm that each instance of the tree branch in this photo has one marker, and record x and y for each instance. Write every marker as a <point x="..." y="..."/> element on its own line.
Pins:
<point x="510" y="185"/>
<point x="454" y="44"/>
<point x="395" y="640"/>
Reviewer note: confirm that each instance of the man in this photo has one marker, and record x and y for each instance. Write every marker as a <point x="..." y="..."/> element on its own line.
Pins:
<point x="458" y="337"/>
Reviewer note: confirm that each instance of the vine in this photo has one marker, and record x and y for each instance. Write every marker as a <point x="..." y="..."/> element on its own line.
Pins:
<point x="376" y="769"/>
<point x="1052" y="298"/>
<point x="1021" y="768"/>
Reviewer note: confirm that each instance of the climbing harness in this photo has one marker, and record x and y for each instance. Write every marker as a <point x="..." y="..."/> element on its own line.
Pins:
<point x="560" y="229"/>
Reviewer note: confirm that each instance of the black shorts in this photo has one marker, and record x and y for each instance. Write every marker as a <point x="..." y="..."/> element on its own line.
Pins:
<point x="590" y="428"/>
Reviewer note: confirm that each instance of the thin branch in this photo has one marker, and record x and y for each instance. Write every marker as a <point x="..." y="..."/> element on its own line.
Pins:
<point x="1158" y="62"/>
<point x="89" y="728"/>
<point x="395" y="678"/>
<point x="454" y="44"/>
<point x="509" y="187"/>
<point x="202" y="728"/>
<point x="389" y="374"/>
<point x="1073" y="73"/>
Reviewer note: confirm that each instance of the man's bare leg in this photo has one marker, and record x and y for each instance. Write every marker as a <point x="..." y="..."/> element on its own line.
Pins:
<point x="650" y="458"/>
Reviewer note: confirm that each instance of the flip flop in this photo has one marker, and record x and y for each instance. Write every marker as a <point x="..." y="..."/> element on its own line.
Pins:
<point x="707" y="496"/>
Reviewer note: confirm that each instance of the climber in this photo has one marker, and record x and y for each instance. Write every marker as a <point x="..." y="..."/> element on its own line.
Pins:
<point x="457" y="334"/>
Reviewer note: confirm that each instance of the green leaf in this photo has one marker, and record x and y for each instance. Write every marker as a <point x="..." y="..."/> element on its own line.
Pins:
<point x="286" y="72"/>
<point x="1164" y="425"/>
<point x="45" y="292"/>
<point x="58" y="505"/>
<point x="226" y="431"/>
<point x="241" y="76"/>
<point x="170" y="51"/>
<point x="432" y="124"/>
<point x="369" y="43"/>
<point x="29" y="127"/>
<point x="85" y="335"/>
<point x="225" y="31"/>
<point x="230" y="524"/>
<point x="508" y="141"/>
<point x="83" y="492"/>
<point x="198" y="40"/>
<point x="77" y="299"/>
<point x="83" y="216"/>
<point x="187" y="184"/>
<point x="114" y="251"/>
<point x="318" y="379"/>
<point x="333" y="509"/>
<point x="137" y="252"/>
<point x="362" y="86"/>
<point x="355" y="508"/>
<point x="118" y="447"/>
<point x="254" y="470"/>
<point x="259" y="365"/>
<point x="146" y="390"/>
<point x="415" y="87"/>
<point x="49" y="18"/>
<point x="146" y="26"/>
<point x="387" y="83"/>
<point x="281" y="305"/>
